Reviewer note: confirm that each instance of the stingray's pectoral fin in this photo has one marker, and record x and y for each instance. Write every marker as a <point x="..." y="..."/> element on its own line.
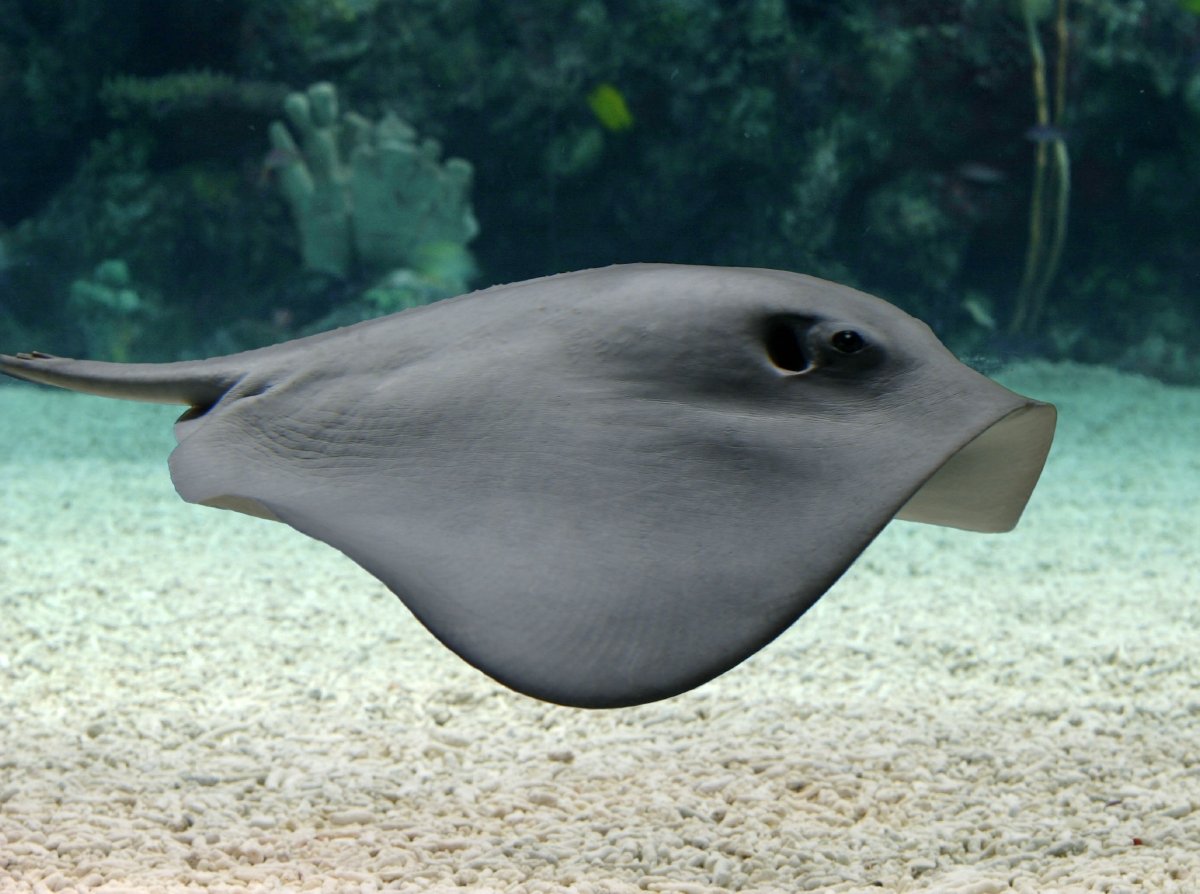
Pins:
<point x="195" y="383"/>
<point x="985" y="485"/>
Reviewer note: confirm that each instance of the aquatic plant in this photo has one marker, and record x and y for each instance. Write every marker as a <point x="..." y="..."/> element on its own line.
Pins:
<point x="1052" y="168"/>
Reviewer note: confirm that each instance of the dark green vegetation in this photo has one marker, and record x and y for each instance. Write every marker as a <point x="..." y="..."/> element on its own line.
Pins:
<point x="896" y="145"/>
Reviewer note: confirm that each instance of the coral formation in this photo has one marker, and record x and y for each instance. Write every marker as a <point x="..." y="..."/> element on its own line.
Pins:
<point x="109" y="310"/>
<point x="363" y="193"/>
<point x="125" y="96"/>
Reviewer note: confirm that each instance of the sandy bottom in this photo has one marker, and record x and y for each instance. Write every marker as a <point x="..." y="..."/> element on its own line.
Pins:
<point x="193" y="700"/>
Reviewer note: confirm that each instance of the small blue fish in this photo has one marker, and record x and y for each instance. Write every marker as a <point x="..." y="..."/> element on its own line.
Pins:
<point x="1045" y="133"/>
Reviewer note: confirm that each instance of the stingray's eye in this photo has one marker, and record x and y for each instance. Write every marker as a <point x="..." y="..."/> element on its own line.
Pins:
<point x="847" y="341"/>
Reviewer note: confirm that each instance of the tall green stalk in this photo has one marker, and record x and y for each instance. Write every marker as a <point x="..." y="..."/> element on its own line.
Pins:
<point x="1051" y="174"/>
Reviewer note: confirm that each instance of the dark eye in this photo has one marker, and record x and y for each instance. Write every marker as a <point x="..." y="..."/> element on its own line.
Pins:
<point x="847" y="342"/>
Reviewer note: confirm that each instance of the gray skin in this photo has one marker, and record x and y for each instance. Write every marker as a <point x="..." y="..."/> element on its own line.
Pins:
<point x="606" y="487"/>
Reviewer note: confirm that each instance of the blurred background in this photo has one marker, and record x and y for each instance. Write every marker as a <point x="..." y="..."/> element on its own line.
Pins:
<point x="183" y="178"/>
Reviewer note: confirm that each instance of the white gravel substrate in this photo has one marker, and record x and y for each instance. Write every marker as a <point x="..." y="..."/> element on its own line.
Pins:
<point x="193" y="700"/>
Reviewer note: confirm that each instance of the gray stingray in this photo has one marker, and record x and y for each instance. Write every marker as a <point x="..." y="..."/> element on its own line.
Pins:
<point x="605" y="487"/>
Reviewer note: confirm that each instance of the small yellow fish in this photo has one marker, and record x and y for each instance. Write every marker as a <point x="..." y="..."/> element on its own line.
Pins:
<point x="610" y="108"/>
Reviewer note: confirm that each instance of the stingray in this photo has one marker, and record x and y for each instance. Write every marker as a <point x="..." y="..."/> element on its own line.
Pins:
<point x="606" y="487"/>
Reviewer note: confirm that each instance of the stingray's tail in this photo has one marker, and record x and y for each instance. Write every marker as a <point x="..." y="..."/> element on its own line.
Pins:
<point x="194" y="383"/>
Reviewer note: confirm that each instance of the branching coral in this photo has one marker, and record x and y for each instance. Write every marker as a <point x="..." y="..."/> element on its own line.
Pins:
<point x="366" y="194"/>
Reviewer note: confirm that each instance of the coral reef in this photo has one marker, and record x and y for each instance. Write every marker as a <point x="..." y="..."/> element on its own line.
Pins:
<point x="109" y="311"/>
<point x="913" y="234"/>
<point x="366" y="194"/>
<point x="127" y="96"/>
<point x="885" y="144"/>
